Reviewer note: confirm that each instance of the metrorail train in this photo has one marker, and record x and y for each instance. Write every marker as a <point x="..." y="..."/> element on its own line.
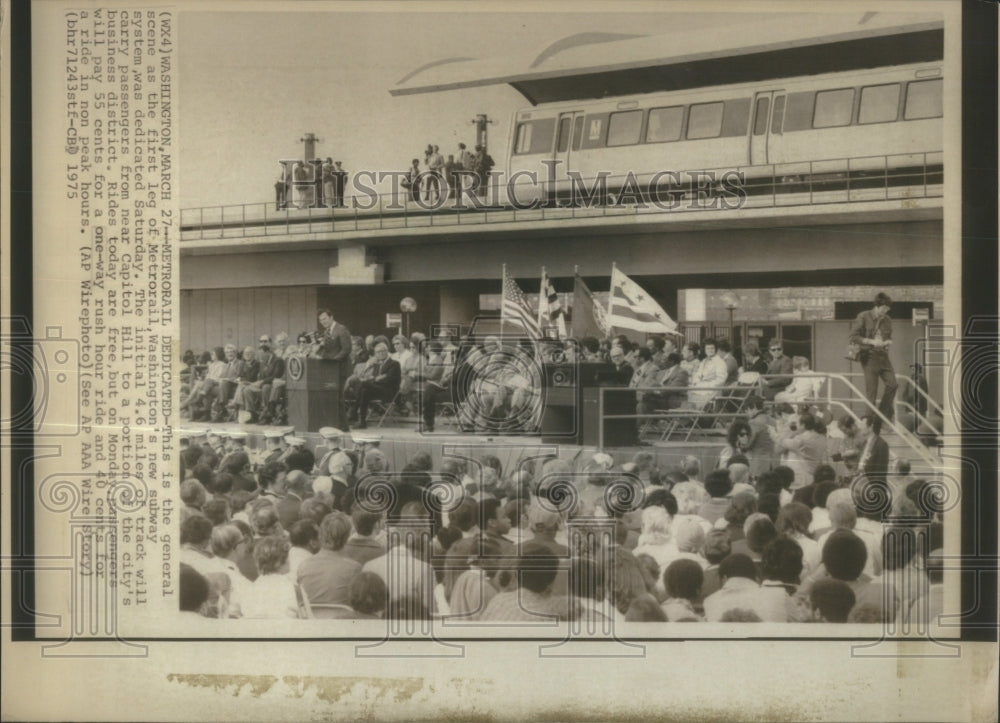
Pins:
<point x="885" y="120"/>
<point x="863" y="132"/>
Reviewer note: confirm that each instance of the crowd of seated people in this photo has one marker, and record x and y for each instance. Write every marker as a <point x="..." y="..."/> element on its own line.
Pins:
<point x="248" y="386"/>
<point x="287" y="535"/>
<point x="229" y="385"/>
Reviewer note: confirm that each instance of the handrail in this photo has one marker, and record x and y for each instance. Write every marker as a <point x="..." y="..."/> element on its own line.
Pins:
<point x="765" y="182"/>
<point x="911" y="385"/>
<point x="911" y="440"/>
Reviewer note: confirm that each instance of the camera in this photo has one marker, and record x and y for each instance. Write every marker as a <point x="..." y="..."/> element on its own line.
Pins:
<point x="49" y="367"/>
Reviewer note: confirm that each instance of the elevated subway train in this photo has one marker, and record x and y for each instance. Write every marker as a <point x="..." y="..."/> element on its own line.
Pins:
<point x="879" y="122"/>
<point x="836" y="137"/>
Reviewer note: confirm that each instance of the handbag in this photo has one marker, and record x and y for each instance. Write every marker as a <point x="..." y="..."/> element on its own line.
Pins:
<point x="853" y="352"/>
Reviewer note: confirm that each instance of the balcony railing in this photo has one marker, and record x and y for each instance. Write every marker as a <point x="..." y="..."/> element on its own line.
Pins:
<point x="855" y="180"/>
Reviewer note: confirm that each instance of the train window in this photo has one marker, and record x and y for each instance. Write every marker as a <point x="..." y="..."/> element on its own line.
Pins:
<point x="624" y="128"/>
<point x="705" y="121"/>
<point x="664" y="124"/>
<point x="594" y="130"/>
<point x="879" y="103"/>
<point x="923" y="99"/>
<point x="562" y="140"/>
<point x="833" y="108"/>
<point x="535" y="136"/>
<point x="798" y="111"/>
<point x="760" y="116"/>
<point x="523" y="138"/>
<point x="736" y="117"/>
<point x="778" y="114"/>
<point x="577" y="132"/>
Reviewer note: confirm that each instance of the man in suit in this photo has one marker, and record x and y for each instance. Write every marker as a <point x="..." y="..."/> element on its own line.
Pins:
<point x="383" y="385"/>
<point x="874" y="463"/>
<point x="335" y="344"/>
<point x="779" y="371"/>
<point x="674" y="378"/>
<point x="872" y="332"/>
<point x="623" y="370"/>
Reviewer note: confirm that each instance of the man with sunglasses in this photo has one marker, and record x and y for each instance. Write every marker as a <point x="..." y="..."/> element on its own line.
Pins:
<point x="779" y="371"/>
<point x="872" y="333"/>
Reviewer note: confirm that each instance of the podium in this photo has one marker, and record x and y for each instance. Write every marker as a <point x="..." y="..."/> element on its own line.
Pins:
<point x="572" y="406"/>
<point x="314" y="388"/>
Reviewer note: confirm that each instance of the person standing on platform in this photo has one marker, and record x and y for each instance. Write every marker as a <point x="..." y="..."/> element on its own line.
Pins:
<point x="339" y="185"/>
<point x="872" y="333"/>
<point x="334" y="344"/>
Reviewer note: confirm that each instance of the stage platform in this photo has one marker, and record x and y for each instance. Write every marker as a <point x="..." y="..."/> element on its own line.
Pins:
<point x="401" y="441"/>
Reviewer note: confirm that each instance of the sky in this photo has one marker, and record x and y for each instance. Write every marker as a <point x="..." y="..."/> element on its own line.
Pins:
<point x="252" y="83"/>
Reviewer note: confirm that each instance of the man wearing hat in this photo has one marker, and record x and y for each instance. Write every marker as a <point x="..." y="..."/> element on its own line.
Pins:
<point x="274" y="447"/>
<point x="236" y="443"/>
<point x="332" y="436"/>
<point x="294" y="443"/>
<point x="872" y="333"/>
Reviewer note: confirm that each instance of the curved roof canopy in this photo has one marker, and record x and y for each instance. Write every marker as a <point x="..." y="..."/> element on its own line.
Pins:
<point x="599" y="64"/>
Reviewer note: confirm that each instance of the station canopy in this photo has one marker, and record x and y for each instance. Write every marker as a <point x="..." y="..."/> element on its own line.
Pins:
<point x="733" y="50"/>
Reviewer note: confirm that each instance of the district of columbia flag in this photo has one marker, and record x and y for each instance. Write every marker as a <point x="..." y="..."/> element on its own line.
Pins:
<point x="550" y="309"/>
<point x="515" y="308"/>
<point x="630" y="307"/>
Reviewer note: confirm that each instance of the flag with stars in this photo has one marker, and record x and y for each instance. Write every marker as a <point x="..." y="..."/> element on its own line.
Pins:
<point x="632" y="308"/>
<point x="516" y="309"/>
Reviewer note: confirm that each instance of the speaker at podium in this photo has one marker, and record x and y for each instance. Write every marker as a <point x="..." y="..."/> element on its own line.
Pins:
<point x="314" y="388"/>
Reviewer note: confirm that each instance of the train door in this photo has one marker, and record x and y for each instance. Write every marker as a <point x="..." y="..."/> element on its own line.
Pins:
<point x="568" y="133"/>
<point x="762" y="104"/>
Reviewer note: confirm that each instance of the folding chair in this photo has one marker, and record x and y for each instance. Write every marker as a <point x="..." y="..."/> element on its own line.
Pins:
<point x="385" y="410"/>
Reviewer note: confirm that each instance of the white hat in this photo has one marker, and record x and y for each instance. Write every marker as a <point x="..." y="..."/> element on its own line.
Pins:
<point x="330" y="433"/>
<point x="295" y="441"/>
<point x="365" y="437"/>
<point x="274" y="434"/>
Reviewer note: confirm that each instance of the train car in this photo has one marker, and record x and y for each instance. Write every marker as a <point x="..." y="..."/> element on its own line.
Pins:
<point x="828" y="129"/>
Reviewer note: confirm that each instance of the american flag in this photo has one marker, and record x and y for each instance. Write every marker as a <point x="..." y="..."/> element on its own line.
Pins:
<point x="550" y="308"/>
<point x="515" y="307"/>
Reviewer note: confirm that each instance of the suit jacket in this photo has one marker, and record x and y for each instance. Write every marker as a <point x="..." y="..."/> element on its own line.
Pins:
<point x="877" y="465"/>
<point x="335" y="343"/>
<point x="271" y="369"/>
<point x="780" y="366"/>
<point x="865" y="327"/>
<point x="391" y="374"/>
<point x="676" y="377"/>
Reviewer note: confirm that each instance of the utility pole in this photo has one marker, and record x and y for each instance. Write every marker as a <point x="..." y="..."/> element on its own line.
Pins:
<point x="310" y="140"/>
<point x="481" y="121"/>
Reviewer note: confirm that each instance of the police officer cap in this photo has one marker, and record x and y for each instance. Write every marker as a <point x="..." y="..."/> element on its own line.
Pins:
<point x="366" y="438"/>
<point x="295" y="441"/>
<point x="330" y="433"/>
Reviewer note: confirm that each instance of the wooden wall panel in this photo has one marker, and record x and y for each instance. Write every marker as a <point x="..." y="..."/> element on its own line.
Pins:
<point x="262" y="312"/>
<point x="230" y="316"/>
<point x="246" y="323"/>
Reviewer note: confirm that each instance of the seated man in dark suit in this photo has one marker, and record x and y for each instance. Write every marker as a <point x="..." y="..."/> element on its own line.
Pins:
<point x="383" y="384"/>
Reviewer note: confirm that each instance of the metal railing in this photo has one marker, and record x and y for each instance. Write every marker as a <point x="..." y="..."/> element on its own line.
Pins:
<point x="854" y="398"/>
<point x="807" y="183"/>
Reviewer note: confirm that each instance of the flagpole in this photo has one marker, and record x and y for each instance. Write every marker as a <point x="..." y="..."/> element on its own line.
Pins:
<point x="542" y="293"/>
<point x="503" y="282"/>
<point x="611" y="295"/>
